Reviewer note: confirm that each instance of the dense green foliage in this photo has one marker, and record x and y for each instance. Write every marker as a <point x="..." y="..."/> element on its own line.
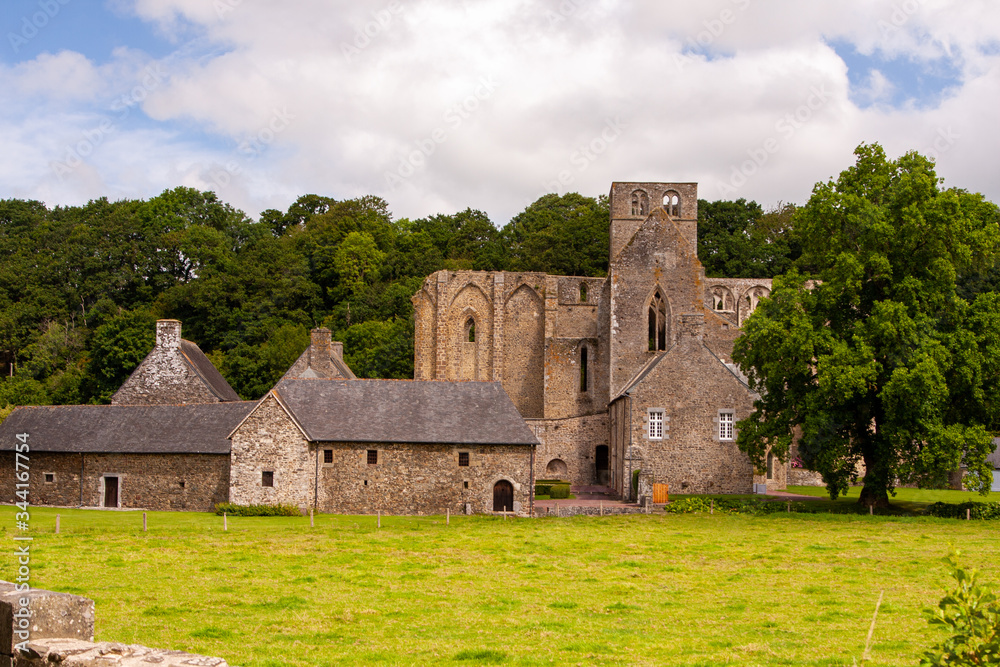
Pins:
<point x="737" y="239"/>
<point x="971" y="613"/>
<point x="881" y="362"/>
<point x="958" y="510"/>
<point x="80" y="287"/>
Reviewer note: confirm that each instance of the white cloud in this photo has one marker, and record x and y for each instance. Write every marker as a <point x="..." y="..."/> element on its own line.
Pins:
<point x="487" y="103"/>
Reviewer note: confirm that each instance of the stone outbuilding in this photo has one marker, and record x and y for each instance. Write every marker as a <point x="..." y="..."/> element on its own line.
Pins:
<point x="175" y="371"/>
<point x="157" y="457"/>
<point x="390" y="446"/>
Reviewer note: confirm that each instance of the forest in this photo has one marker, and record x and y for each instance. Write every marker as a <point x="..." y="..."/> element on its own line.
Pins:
<point x="81" y="286"/>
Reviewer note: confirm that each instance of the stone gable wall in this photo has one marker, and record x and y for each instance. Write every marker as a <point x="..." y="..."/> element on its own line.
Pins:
<point x="164" y="377"/>
<point x="145" y="481"/>
<point x="691" y="387"/>
<point x="268" y="440"/>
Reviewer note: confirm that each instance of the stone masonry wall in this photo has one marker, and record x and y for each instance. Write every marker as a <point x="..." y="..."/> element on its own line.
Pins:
<point x="269" y="441"/>
<point x="421" y="478"/>
<point x="691" y="386"/>
<point x="194" y="482"/>
<point x="573" y="441"/>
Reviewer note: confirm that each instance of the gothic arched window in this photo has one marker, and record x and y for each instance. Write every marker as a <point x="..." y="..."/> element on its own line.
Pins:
<point x="470" y="330"/>
<point x="672" y="203"/>
<point x="657" y="322"/>
<point x="640" y="203"/>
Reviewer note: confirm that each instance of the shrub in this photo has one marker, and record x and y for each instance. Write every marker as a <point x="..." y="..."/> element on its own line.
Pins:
<point x="635" y="483"/>
<point x="559" y="491"/>
<point x="543" y="489"/>
<point x="957" y="510"/>
<point x="257" y="510"/>
<point x="972" y="613"/>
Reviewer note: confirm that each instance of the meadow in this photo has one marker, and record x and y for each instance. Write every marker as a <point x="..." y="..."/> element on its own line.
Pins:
<point x="784" y="589"/>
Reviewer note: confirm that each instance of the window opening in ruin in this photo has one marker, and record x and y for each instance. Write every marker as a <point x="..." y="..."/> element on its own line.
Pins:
<point x="726" y="426"/>
<point x="770" y="465"/>
<point x="657" y="323"/>
<point x="640" y="203"/>
<point x="672" y="204"/>
<point x="465" y="485"/>
<point x="372" y="457"/>
<point x="327" y="456"/>
<point x="463" y="459"/>
<point x="583" y="370"/>
<point x="601" y="460"/>
<point x="470" y="330"/>
<point x="583" y="292"/>
<point x="267" y="478"/>
<point x="50" y="477"/>
<point x="656" y="424"/>
<point x="182" y="484"/>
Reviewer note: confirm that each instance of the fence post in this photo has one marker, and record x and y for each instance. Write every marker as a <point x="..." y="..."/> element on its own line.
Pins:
<point x="968" y="514"/>
<point x="711" y="507"/>
<point x="145" y="528"/>
<point x="312" y="523"/>
<point x="225" y="522"/>
<point x="447" y="516"/>
<point x="380" y="518"/>
<point x="57" y="524"/>
<point x="602" y="508"/>
<point x="871" y="510"/>
<point x="789" y="507"/>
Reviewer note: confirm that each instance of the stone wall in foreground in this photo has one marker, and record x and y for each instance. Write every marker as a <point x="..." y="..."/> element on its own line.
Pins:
<point x="39" y="628"/>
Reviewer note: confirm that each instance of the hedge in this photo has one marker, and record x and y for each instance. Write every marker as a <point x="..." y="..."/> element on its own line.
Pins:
<point x="957" y="510"/>
<point x="232" y="509"/>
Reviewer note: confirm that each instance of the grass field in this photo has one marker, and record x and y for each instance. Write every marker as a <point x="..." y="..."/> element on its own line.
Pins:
<point x="635" y="590"/>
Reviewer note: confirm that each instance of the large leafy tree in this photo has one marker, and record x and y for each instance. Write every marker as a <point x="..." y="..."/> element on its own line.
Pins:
<point x="880" y="361"/>
<point x="738" y="239"/>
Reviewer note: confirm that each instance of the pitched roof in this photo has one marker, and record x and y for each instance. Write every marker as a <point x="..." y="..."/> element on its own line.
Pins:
<point x="207" y="371"/>
<point x="637" y="379"/>
<point x="126" y="429"/>
<point x="473" y="413"/>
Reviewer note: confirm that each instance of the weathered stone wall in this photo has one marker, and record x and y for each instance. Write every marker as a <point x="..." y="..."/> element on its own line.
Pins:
<point x="269" y="441"/>
<point x="574" y="442"/>
<point x="194" y="482"/>
<point x="625" y="220"/>
<point x="421" y="478"/>
<point x="164" y="377"/>
<point x="691" y="387"/>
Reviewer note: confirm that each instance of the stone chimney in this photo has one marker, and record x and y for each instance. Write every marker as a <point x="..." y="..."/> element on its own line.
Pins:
<point x="321" y="339"/>
<point x="168" y="334"/>
<point x="338" y="350"/>
<point x="692" y="327"/>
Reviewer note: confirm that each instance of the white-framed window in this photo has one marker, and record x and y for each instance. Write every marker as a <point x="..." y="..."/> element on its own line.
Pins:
<point x="656" y="424"/>
<point x="727" y="426"/>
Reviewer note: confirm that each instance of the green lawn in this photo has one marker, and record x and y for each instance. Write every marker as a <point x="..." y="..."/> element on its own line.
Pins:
<point x="908" y="499"/>
<point x="634" y="590"/>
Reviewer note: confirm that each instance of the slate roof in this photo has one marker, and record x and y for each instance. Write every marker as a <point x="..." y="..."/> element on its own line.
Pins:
<point x="466" y="413"/>
<point x="207" y="371"/>
<point x="126" y="429"/>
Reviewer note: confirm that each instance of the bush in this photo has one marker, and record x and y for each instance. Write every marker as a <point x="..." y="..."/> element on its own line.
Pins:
<point x="957" y="510"/>
<point x="543" y="489"/>
<point x="972" y="613"/>
<point x="559" y="491"/>
<point x="232" y="509"/>
<point x="736" y="506"/>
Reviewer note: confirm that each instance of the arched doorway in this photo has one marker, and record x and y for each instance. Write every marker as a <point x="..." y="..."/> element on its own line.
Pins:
<point x="503" y="496"/>
<point x="601" y="459"/>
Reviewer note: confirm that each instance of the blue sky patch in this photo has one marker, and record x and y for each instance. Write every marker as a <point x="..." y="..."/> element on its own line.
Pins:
<point x="906" y="81"/>
<point x="32" y="27"/>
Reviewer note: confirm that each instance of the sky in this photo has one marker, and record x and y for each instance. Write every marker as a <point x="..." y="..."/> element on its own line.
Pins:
<point x="441" y="105"/>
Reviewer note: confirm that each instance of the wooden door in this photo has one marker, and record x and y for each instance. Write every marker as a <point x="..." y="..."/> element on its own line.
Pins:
<point x="660" y="494"/>
<point x="111" y="492"/>
<point x="503" y="496"/>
